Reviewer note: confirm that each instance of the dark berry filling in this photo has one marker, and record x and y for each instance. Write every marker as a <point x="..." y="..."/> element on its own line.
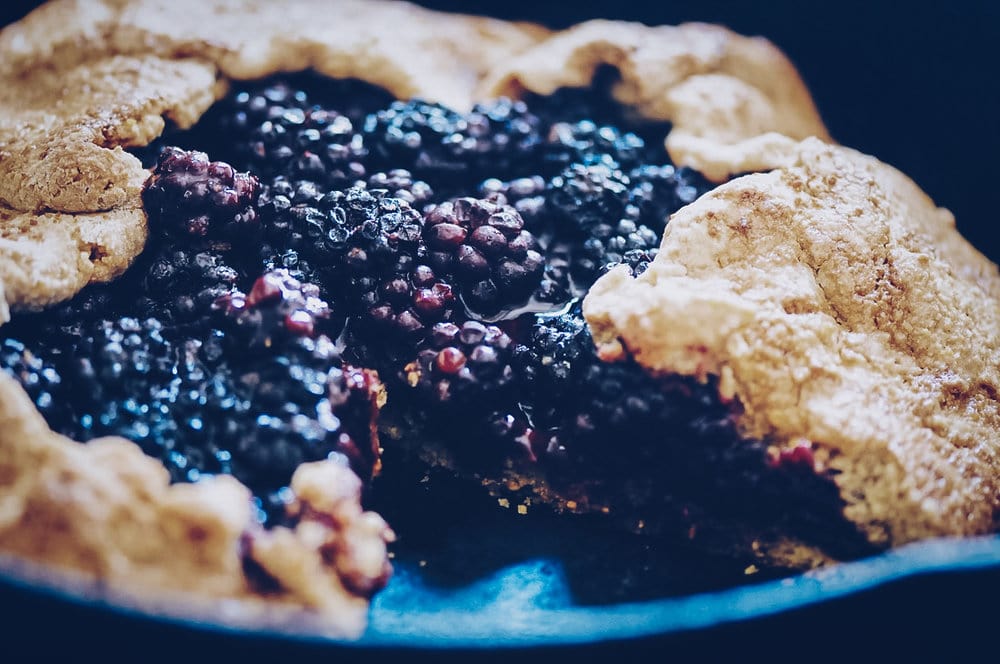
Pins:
<point x="446" y="252"/>
<point x="483" y="246"/>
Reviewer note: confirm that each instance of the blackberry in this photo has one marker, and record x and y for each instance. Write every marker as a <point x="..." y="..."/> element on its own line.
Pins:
<point x="434" y="141"/>
<point x="465" y="366"/>
<point x="185" y="420"/>
<point x="614" y="415"/>
<point x="526" y="194"/>
<point x="201" y="411"/>
<point x="39" y="378"/>
<point x="609" y="244"/>
<point x="345" y="235"/>
<point x="556" y="287"/>
<point x="178" y="283"/>
<point x="554" y="346"/>
<point x="637" y="260"/>
<point x="587" y="142"/>
<point x="278" y="131"/>
<point x="586" y="195"/>
<point x="398" y="309"/>
<point x="292" y="419"/>
<point x="53" y="330"/>
<point x="657" y="192"/>
<point x="190" y="196"/>
<point x="120" y="358"/>
<point x="399" y="183"/>
<point x="272" y="259"/>
<point x="484" y="246"/>
<point x="277" y="309"/>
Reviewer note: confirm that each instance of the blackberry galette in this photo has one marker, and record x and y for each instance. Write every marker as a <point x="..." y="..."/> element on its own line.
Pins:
<point x="615" y="270"/>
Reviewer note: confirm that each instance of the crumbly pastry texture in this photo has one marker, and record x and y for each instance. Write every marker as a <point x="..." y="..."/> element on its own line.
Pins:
<point x="105" y="510"/>
<point x="82" y="80"/>
<point x="845" y="313"/>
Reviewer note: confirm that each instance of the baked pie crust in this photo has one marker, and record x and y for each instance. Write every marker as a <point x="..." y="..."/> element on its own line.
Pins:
<point x="831" y="267"/>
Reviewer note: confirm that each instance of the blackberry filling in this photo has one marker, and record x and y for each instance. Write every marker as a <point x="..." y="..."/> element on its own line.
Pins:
<point x="445" y="253"/>
<point x="483" y="246"/>
<point x="190" y="195"/>
<point x="450" y="148"/>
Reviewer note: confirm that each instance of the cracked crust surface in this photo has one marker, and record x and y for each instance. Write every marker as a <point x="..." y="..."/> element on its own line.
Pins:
<point x="82" y="80"/>
<point x="843" y="309"/>
<point x="50" y="253"/>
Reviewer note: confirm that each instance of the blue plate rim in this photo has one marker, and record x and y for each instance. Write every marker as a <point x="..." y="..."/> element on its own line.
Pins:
<point x="538" y="625"/>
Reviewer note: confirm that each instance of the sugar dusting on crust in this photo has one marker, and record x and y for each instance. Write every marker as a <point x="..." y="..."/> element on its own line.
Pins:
<point x="847" y="311"/>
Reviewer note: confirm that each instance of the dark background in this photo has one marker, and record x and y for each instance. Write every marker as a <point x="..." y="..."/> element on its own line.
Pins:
<point x="915" y="84"/>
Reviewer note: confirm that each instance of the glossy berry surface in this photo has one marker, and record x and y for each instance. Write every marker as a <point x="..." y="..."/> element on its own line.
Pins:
<point x="484" y="246"/>
<point x="189" y="195"/>
<point x="440" y="144"/>
<point x="467" y="365"/>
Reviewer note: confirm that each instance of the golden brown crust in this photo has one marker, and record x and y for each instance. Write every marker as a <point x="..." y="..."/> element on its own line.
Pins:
<point x="63" y="131"/>
<point x="841" y="307"/>
<point x="107" y="510"/>
<point x="45" y="255"/>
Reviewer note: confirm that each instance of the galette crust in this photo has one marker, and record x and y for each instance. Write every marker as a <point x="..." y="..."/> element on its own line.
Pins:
<point x="50" y="253"/>
<point x="107" y="511"/>
<point x="82" y="79"/>
<point x="841" y="307"/>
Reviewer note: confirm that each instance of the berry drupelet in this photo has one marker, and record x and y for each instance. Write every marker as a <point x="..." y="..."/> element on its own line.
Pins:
<point x="586" y="142"/>
<point x="190" y="196"/>
<point x="483" y="245"/>
<point x="442" y="145"/>
<point x="465" y="366"/>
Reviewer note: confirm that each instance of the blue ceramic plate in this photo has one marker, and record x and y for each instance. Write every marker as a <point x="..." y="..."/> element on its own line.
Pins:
<point x="532" y="603"/>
